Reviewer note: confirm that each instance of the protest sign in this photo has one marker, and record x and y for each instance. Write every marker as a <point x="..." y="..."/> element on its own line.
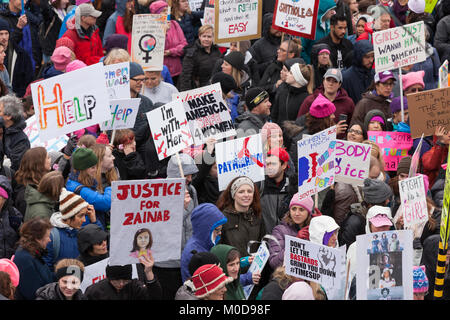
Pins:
<point x="169" y="128"/>
<point x="237" y="20"/>
<point x="70" y="101"/>
<point x="146" y="211"/>
<point x="444" y="230"/>
<point x="384" y="268"/>
<point x="413" y="201"/>
<point x="393" y="146"/>
<point x="32" y="132"/>
<point x="352" y="162"/>
<point x="209" y="16"/>
<point x="208" y="117"/>
<point x="398" y="47"/>
<point x="117" y="78"/>
<point x="296" y="17"/>
<point x="148" y="41"/>
<point x="316" y="162"/>
<point x="429" y="5"/>
<point x="123" y="114"/>
<point x="427" y="110"/>
<point x="239" y="157"/>
<point x="197" y="92"/>
<point x="443" y="75"/>
<point x="195" y="5"/>
<point x="260" y="260"/>
<point x="415" y="159"/>
<point x="314" y="262"/>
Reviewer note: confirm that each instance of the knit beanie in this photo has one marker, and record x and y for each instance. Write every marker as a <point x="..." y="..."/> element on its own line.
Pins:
<point x="412" y="78"/>
<point x="227" y="82"/>
<point x="136" y="70"/>
<point x="417" y="6"/>
<point x="75" y="65"/>
<point x="290" y="62"/>
<point x="208" y="279"/>
<point x="119" y="272"/>
<point x="3" y="193"/>
<point x="322" y="107"/>
<point x="404" y="165"/>
<point x="78" y="2"/>
<point x="199" y="259"/>
<point x="254" y="97"/>
<point x="299" y="290"/>
<point x="239" y="183"/>
<point x="70" y="204"/>
<point x="116" y="41"/>
<point x="396" y="104"/>
<point x="307" y="203"/>
<point x="61" y="57"/>
<point x="158" y="6"/>
<point x="376" y="191"/>
<point x="420" y="280"/>
<point x="65" y="42"/>
<point x="83" y="158"/>
<point x="236" y="59"/>
<point x="102" y="138"/>
<point x="378" y="119"/>
<point x="281" y="153"/>
<point x="268" y="129"/>
<point x="4" y="25"/>
<point x="8" y="266"/>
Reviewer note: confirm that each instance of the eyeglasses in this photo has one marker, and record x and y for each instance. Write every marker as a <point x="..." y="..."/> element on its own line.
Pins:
<point x="139" y="80"/>
<point x="355" y="131"/>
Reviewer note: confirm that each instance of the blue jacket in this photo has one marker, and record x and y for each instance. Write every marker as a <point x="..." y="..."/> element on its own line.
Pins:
<point x="34" y="273"/>
<point x="205" y="218"/>
<point x="431" y="67"/>
<point x="101" y="202"/>
<point x="189" y="23"/>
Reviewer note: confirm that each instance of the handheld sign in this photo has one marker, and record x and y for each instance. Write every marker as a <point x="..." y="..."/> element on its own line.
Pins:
<point x="71" y="101"/>
<point x="239" y="157"/>
<point x="384" y="268"/>
<point x="316" y="162"/>
<point x="197" y="92"/>
<point x="443" y="75"/>
<point x="148" y="41"/>
<point x="237" y="20"/>
<point x="413" y="201"/>
<point x="400" y="46"/>
<point x="260" y="260"/>
<point x="117" y="78"/>
<point x="298" y="18"/>
<point x="143" y="214"/>
<point x="393" y="145"/>
<point x="32" y="132"/>
<point x="169" y="128"/>
<point x="352" y="162"/>
<point x="123" y="114"/>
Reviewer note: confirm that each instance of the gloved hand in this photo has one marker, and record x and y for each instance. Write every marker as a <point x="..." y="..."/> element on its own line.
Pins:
<point x="71" y="145"/>
<point x="303" y="233"/>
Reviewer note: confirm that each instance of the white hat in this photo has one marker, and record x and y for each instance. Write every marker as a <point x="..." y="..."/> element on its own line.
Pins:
<point x="319" y="226"/>
<point x="417" y="6"/>
<point x="70" y="204"/>
<point x="379" y="215"/>
<point x="299" y="290"/>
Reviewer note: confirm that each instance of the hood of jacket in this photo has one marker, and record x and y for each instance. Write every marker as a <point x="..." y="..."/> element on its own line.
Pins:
<point x="205" y="218"/>
<point x="370" y="115"/>
<point x="19" y="126"/>
<point x="187" y="163"/>
<point x="375" y="211"/>
<point x="315" y="52"/>
<point x="324" y="6"/>
<point x="257" y="120"/>
<point x="266" y="24"/>
<point x="32" y="196"/>
<point x="360" y="48"/>
<point x="56" y="221"/>
<point x="318" y="226"/>
<point x="121" y="7"/>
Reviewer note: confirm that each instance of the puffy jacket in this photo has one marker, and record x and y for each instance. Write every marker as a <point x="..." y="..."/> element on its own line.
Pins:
<point x="249" y="123"/>
<point x="370" y="101"/>
<point x="101" y="202"/>
<point x="52" y="291"/>
<point x="276" y="248"/>
<point x="190" y="23"/>
<point x="88" y="47"/>
<point x="10" y="220"/>
<point x="442" y="38"/>
<point x="287" y="102"/>
<point x="15" y="143"/>
<point x="272" y="196"/>
<point x="175" y="43"/>
<point x="38" y="204"/>
<point x="135" y="290"/>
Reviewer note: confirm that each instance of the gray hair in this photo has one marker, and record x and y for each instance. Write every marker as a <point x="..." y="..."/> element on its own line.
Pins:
<point x="12" y="106"/>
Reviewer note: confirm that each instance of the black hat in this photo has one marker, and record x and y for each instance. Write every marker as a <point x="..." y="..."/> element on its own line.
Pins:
<point x="199" y="259"/>
<point x="119" y="272"/>
<point x="236" y="59"/>
<point x="227" y="82"/>
<point x="255" y="96"/>
<point x="89" y="235"/>
<point x="4" y="25"/>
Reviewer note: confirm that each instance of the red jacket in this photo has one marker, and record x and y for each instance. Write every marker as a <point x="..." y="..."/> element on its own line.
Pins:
<point x="88" y="50"/>
<point x="432" y="160"/>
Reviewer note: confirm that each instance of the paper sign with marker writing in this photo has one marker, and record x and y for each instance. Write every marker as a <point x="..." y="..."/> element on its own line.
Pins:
<point x="413" y="201"/>
<point x="316" y="162"/>
<point x="32" y="132"/>
<point x="143" y="214"/>
<point x="117" y="78"/>
<point x="393" y="145"/>
<point x="260" y="260"/>
<point x="197" y="92"/>
<point x="443" y="75"/>
<point x="123" y="113"/>
<point x="71" y="101"/>
<point x="352" y="162"/>
<point x="169" y="128"/>
<point x="239" y="157"/>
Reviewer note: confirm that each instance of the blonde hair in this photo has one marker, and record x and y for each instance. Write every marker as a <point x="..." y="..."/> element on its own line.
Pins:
<point x="111" y="175"/>
<point x="205" y="28"/>
<point x="64" y="263"/>
<point x="117" y="54"/>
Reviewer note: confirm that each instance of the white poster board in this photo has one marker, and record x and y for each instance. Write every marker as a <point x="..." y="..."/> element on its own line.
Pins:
<point x="70" y="101"/>
<point x="443" y="75"/>
<point x="352" y="162"/>
<point x="117" y="78"/>
<point x="413" y="201"/>
<point x="123" y="114"/>
<point x="260" y="260"/>
<point x="32" y="132"/>
<point x="141" y="205"/>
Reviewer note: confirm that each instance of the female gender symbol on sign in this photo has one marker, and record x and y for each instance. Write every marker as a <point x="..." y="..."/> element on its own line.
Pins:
<point x="147" y="44"/>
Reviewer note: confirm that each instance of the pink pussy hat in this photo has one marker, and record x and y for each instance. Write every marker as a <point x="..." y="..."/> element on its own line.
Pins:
<point x="322" y="107"/>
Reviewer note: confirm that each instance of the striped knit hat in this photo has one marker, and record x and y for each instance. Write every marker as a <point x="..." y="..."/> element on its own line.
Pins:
<point x="70" y="204"/>
<point x="209" y="278"/>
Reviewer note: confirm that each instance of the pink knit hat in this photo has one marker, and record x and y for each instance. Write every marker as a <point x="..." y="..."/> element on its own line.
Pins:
<point x="10" y="268"/>
<point x="78" y="2"/>
<point x="306" y="203"/>
<point x="322" y="107"/>
<point x="412" y="78"/>
<point x="61" y="57"/>
<point x="158" y="6"/>
<point x="268" y="129"/>
<point x="75" y="65"/>
<point x="3" y="193"/>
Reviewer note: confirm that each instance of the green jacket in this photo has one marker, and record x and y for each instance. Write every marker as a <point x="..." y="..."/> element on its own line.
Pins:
<point x="38" y="205"/>
<point x="234" y="289"/>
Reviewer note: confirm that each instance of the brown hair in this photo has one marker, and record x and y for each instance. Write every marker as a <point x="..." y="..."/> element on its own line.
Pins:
<point x="6" y="287"/>
<point x="307" y="71"/>
<point x="123" y="136"/>
<point x="111" y="175"/>
<point x="315" y="125"/>
<point x="128" y="19"/>
<point x="87" y="140"/>
<point x="294" y="46"/>
<point x="31" y="231"/>
<point x="225" y="200"/>
<point x="57" y="3"/>
<point x="51" y="185"/>
<point x="32" y="166"/>
<point x="288" y="219"/>
<point x="176" y="12"/>
<point x="63" y="263"/>
<point x="376" y="152"/>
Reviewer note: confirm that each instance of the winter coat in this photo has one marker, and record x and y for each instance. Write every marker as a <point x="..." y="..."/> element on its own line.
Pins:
<point x="370" y="101"/>
<point x="272" y="196"/>
<point x="10" y="220"/>
<point x="319" y="71"/>
<point x="52" y="291"/>
<point x="34" y="273"/>
<point x="141" y="127"/>
<point x="207" y="186"/>
<point x="432" y="161"/>
<point x="190" y="23"/>
<point x="345" y="195"/>
<point x="356" y="79"/>
<point x="276" y="249"/>
<point x="270" y="77"/>
<point x="175" y="42"/>
<point x="431" y="67"/>
<point x="110" y="24"/>
<point x="101" y="202"/>
<point x="51" y="24"/>
<point x="249" y="123"/>
<point x="162" y="93"/>
<point x="197" y="66"/>
<point x="135" y="290"/>
<point x="88" y="46"/>
<point x="205" y="218"/>
<point x="338" y="52"/>
<point x="287" y="102"/>
<point x="15" y="143"/>
<point x="442" y="38"/>
<point x="38" y="204"/>
<point x="131" y="166"/>
<point x="242" y="227"/>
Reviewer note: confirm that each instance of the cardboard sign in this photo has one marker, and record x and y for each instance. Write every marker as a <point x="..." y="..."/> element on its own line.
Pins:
<point x="443" y="75"/>
<point x="298" y="18"/>
<point x="170" y="129"/>
<point x="140" y="206"/>
<point x="237" y="20"/>
<point x="239" y="157"/>
<point x="413" y="201"/>
<point x="209" y="117"/>
<point x="427" y="110"/>
<point x="398" y="47"/>
<point x="352" y="162"/>
<point x="313" y="262"/>
<point x="123" y="114"/>
<point x="32" y="132"/>
<point x="316" y="162"/>
<point x="117" y="78"/>
<point x="148" y="41"/>
<point x="393" y="145"/>
<point x="384" y="268"/>
<point x="260" y="260"/>
<point x="71" y="101"/>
